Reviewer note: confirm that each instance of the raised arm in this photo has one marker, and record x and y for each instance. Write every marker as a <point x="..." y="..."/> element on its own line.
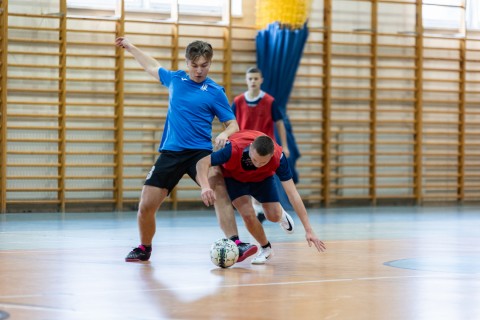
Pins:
<point x="147" y="62"/>
<point x="282" y="132"/>
<point x="299" y="207"/>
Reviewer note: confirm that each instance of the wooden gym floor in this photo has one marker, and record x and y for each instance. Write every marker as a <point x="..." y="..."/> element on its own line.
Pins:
<point x="381" y="263"/>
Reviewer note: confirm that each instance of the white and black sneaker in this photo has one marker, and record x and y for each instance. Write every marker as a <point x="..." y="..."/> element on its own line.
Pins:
<point x="287" y="223"/>
<point x="264" y="255"/>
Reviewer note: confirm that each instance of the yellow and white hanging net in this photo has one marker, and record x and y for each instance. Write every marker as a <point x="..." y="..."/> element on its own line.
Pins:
<point x="291" y="13"/>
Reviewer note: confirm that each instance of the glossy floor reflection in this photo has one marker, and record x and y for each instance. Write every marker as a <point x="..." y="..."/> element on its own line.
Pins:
<point x="381" y="263"/>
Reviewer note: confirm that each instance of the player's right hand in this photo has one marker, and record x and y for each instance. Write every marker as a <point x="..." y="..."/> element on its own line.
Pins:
<point x="312" y="239"/>
<point x="123" y="42"/>
<point x="221" y="140"/>
<point x="208" y="196"/>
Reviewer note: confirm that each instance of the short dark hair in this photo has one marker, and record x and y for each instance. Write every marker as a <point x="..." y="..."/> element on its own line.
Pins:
<point x="254" y="70"/>
<point x="198" y="49"/>
<point x="263" y="145"/>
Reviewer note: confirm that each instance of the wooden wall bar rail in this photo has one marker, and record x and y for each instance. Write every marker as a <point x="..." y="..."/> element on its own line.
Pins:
<point x="379" y="113"/>
<point x="3" y="103"/>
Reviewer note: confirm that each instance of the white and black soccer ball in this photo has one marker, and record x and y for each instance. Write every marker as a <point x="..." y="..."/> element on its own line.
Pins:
<point x="224" y="253"/>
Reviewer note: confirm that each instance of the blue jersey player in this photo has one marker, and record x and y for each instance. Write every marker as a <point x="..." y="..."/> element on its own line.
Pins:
<point x="194" y="101"/>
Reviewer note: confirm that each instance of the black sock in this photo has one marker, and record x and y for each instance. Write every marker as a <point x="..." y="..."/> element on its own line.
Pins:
<point x="234" y="238"/>
<point x="147" y="248"/>
<point x="268" y="245"/>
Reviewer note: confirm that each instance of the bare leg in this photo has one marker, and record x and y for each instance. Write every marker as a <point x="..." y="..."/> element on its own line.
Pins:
<point x="151" y="199"/>
<point x="223" y="207"/>
<point x="245" y="208"/>
<point x="273" y="211"/>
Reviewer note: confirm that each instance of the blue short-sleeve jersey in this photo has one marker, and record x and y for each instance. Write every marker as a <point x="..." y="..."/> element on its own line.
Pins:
<point x="192" y="107"/>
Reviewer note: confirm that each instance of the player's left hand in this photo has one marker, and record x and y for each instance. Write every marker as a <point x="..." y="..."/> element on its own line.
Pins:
<point x="312" y="239"/>
<point x="221" y="140"/>
<point x="208" y="196"/>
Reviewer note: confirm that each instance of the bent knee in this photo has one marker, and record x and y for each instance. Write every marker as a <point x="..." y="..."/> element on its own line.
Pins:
<point x="273" y="216"/>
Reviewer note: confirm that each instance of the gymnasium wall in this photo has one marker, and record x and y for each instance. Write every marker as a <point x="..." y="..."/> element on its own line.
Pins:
<point x="382" y="110"/>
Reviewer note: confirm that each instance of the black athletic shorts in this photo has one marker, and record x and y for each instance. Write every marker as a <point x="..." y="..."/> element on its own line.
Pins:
<point x="172" y="165"/>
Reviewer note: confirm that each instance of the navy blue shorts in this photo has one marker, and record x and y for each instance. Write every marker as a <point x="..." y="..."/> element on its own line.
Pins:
<point x="172" y="165"/>
<point x="263" y="191"/>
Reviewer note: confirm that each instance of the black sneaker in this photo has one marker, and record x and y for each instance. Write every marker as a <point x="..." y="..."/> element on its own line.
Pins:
<point x="261" y="217"/>
<point x="138" y="254"/>
<point x="245" y="250"/>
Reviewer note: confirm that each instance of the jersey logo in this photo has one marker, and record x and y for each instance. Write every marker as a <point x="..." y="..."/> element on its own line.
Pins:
<point x="149" y="175"/>
<point x="204" y="87"/>
<point x="184" y="79"/>
<point x="247" y="163"/>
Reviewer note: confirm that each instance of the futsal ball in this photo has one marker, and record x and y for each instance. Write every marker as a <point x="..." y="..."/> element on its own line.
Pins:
<point x="224" y="253"/>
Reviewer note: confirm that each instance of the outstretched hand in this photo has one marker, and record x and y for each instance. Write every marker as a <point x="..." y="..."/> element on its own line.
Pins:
<point x="312" y="239"/>
<point x="123" y="42"/>
<point x="208" y="196"/>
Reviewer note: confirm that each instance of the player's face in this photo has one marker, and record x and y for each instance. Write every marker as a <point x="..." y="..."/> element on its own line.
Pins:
<point x="258" y="160"/>
<point x="254" y="80"/>
<point x="198" y="69"/>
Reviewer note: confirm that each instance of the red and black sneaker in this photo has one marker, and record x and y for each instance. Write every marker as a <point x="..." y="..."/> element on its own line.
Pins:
<point x="138" y="254"/>
<point x="245" y="250"/>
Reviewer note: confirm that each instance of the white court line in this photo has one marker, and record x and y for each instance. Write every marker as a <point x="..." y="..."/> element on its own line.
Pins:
<point x="97" y="292"/>
<point x="30" y="307"/>
<point x="78" y="314"/>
